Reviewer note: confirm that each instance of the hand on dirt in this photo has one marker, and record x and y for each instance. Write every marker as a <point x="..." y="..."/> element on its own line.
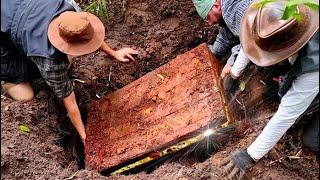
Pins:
<point x="125" y="54"/>
<point x="226" y="70"/>
<point x="234" y="166"/>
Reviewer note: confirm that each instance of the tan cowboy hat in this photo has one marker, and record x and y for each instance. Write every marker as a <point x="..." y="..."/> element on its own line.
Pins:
<point x="266" y="39"/>
<point x="76" y="33"/>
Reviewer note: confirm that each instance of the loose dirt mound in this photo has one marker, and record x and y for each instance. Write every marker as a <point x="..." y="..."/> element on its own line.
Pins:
<point x="163" y="29"/>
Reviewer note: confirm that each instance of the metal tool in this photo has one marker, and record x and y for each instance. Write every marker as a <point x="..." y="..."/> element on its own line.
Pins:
<point x="177" y="147"/>
<point x="230" y="120"/>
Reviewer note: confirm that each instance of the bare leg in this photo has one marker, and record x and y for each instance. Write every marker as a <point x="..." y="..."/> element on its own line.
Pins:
<point x="19" y="92"/>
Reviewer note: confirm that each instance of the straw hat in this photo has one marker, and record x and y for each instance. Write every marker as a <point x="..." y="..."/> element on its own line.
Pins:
<point x="76" y="33"/>
<point x="266" y="39"/>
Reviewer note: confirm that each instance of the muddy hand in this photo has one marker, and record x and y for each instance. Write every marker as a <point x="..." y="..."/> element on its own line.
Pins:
<point x="234" y="166"/>
<point x="125" y="54"/>
<point x="226" y="70"/>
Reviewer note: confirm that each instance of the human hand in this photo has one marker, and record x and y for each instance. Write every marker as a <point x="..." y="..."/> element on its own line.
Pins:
<point x="226" y="70"/>
<point x="125" y="54"/>
<point x="83" y="138"/>
<point x="236" y="164"/>
<point x="71" y="105"/>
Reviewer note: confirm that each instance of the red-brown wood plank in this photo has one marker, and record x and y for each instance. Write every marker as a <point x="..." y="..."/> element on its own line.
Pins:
<point x="178" y="98"/>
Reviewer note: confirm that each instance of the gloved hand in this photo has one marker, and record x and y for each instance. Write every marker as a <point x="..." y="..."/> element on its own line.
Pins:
<point x="236" y="164"/>
<point x="285" y="83"/>
<point x="230" y="85"/>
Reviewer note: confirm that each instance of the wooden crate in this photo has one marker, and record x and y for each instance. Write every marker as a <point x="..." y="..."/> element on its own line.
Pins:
<point x="166" y="104"/>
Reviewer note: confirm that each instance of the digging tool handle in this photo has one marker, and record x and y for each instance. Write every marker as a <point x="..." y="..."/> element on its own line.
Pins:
<point x="224" y="103"/>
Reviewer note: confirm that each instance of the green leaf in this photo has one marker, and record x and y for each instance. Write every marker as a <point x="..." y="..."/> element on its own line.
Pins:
<point x="289" y="11"/>
<point x="297" y="16"/>
<point x="24" y="128"/>
<point x="261" y="3"/>
<point x="291" y="7"/>
<point x="242" y="85"/>
<point x="312" y="6"/>
<point x="310" y="3"/>
<point x="99" y="8"/>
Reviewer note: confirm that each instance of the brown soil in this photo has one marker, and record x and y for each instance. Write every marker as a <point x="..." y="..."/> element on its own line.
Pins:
<point x="163" y="29"/>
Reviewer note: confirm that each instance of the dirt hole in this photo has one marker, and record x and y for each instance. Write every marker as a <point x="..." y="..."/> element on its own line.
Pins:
<point x="194" y="154"/>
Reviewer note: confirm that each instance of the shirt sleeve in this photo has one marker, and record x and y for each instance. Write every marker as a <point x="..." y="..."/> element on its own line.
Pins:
<point x="233" y="12"/>
<point x="75" y="5"/>
<point x="296" y="101"/>
<point x="223" y="43"/>
<point x="240" y="64"/>
<point x="54" y="72"/>
<point x="234" y="54"/>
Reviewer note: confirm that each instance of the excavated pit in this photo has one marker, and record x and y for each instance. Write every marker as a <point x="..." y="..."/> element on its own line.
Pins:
<point x="156" y="110"/>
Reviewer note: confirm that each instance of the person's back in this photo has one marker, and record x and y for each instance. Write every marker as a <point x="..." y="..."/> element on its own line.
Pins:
<point x="26" y="23"/>
<point x="43" y="34"/>
<point x="232" y="13"/>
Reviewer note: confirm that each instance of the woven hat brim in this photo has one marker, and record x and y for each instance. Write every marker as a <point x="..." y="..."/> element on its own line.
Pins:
<point x="78" y="49"/>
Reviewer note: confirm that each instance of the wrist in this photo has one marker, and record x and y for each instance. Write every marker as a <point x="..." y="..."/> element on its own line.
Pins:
<point x="107" y="50"/>
<point x="253" y="159"/>
<point x="230" y="62"/>
<point x="83" y="136"/>
<point x="233" y="76"/>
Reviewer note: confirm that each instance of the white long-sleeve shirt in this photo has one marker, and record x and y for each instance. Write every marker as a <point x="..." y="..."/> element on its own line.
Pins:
<point x="294" y="103"/>
<point x="240" y="64"/>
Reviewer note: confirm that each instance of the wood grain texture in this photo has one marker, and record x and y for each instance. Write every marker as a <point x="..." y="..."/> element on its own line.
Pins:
<point x="178" y="98"/>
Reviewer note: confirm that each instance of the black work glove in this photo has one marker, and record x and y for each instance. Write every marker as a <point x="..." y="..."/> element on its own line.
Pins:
<point x="236" y="164"/>
<point x="285" y="83"/>
<point x="230" y="85"/>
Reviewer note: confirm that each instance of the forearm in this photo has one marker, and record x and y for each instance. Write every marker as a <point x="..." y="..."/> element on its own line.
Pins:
<point x="234" y="54"/>
<point x="239" y="65"/>
<point x="74" y="114"/>
<point x="122" y="55"/>
<point x="107" y="49"/>
<point x="54" y="71"/>
<point x="304" y="89"/>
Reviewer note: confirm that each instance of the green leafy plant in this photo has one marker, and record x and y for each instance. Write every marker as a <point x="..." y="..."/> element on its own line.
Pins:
<point x="261" y="3"/>
<point x="242" y="85"/>
<point x="123" y="8"/>
<point x="99" y="8"/>
<point x="290" y="10"/>
<point x="24" y="128"/>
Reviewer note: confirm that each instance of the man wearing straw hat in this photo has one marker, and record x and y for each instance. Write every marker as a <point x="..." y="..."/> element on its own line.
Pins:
<point x="227" y="14"/>
<point x="266" y="39"/>
<point x="37" y="37"/>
